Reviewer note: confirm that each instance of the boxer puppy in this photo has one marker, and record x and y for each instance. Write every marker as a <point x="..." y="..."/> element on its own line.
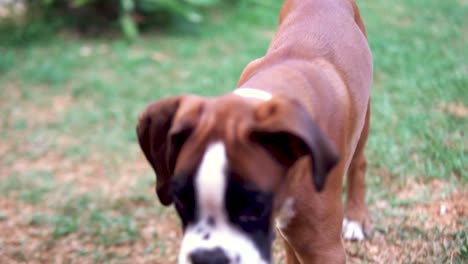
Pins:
<point x="274" y="151"/>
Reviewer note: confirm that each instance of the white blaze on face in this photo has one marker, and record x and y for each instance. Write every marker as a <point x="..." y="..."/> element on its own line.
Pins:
<point x="213" y="229"/>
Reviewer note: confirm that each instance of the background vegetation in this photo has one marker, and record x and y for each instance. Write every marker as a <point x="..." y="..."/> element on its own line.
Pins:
<point x="130" y="14"/>
<point x="75" y="187"/>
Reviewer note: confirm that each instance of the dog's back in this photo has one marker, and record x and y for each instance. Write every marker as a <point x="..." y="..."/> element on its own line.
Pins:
<point x="320" y="56"/>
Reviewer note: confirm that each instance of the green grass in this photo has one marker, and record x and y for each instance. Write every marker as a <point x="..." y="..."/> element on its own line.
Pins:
<point x="30" y="187"/>
<point x="420" y="58"/>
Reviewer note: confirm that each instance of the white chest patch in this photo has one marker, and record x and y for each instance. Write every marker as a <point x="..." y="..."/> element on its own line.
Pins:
<point x="286" y="213"/>
<point x="212" y="229"/>
<point x="253" y="93"/>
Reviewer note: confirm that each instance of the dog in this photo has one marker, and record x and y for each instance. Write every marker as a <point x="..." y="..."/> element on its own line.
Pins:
<point x="273" y="152"/>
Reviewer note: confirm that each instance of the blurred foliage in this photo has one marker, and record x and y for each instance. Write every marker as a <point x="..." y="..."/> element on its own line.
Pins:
<point x="93" y="16"/>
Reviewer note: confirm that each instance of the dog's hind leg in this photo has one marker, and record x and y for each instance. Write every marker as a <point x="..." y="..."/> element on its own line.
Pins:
<point x="356" y="223"/>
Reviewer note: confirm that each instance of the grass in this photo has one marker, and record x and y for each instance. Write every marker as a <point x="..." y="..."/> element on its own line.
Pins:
<point x="75" y="186"/>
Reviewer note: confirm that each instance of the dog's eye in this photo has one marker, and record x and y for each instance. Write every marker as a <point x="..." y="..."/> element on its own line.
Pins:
<point x="252" y="213"/>
<point x="178" y="204"/>
<point x="248" y="206"/>
<point x="256" y="208"/>
<point x="183" y="195"/>
<point x="185" y="206"/>
<point x="182" y="201"/>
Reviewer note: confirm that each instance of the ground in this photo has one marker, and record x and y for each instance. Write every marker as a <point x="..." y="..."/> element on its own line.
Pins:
<point x="74" y="186"/>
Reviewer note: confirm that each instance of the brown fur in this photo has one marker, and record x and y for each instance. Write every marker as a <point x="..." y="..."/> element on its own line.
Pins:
<point x="319" y="70"/>
<point x="321" y="53"/>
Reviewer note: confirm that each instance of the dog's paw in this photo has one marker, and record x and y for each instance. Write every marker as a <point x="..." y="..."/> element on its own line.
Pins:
<point x="353" y="230"/>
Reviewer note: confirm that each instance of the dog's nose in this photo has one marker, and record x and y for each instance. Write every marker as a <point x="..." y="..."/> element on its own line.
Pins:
<point x="209" y="256"/>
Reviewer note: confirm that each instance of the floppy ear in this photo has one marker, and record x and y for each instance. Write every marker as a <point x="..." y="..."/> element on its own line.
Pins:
<point x="161" y="139"/>
<point x="286" y="130"/>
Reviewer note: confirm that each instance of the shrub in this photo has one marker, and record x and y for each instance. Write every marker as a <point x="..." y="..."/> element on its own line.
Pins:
<point x="88" y="15"/>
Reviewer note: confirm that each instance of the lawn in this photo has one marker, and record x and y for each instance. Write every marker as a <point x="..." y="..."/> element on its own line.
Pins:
<point x="75" y="188"/>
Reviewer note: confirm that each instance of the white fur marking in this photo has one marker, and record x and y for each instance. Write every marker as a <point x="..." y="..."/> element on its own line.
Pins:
<point x="210" y="184"/>
<point x="352" y="230"/>
<point x="211" y="181"/>
<point x="286" y="213"/>
<point x="253" y="93"/>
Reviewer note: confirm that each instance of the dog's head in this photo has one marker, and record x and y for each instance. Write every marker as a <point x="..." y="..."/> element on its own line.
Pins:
<point x="222" y="162"/>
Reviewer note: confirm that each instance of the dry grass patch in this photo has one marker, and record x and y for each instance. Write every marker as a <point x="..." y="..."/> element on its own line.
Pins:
<point x="425" y="232"/>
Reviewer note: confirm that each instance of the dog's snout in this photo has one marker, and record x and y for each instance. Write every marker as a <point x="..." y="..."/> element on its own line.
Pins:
<point x="210" y="256"/>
